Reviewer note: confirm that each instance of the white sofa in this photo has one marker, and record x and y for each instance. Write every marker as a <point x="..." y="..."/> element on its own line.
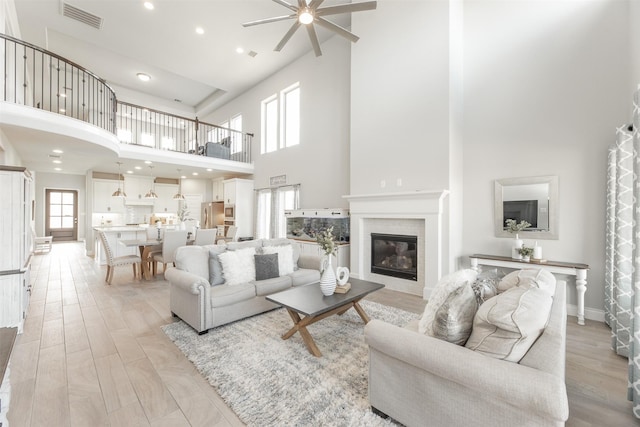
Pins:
<point x="420" y="380"/>
<point x="197" y="300"/>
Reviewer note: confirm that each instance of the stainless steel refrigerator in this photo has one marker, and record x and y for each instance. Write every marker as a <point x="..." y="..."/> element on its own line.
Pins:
<point x="16" y="243"/>
<point x="212" y="214"/>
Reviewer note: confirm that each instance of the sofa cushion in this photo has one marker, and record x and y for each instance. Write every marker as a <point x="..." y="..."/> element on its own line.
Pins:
<point x="304" y="276"/>
<point x="285" y="257"/>
<point x="507" y="325"/>
<point x="238" y="266"/>
<point x="193" y="259"/>
<point x="215" y="268"/>
<point x="443" y="288"/>
<point x="284" y="241"/>
<point x="530" y="277"/>
<point x="269" y="286"/>
<point x="454" y="318"/>
<point x="266" y="266"/>
<point x="225" y="295"/>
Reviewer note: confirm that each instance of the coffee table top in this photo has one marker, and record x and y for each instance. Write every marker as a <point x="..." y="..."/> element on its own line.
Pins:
<point x="308" y="300"/>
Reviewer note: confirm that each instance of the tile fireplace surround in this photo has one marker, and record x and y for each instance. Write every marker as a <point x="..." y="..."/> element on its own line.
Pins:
<point x="416" y="213"/>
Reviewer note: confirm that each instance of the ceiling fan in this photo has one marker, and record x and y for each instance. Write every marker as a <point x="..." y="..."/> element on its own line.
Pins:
<point x="310" y="13"/>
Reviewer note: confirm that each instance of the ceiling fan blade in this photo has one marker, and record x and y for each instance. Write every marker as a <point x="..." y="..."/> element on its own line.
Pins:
<point x="336" y="29"/>
<point x="268" y="20"/>
<point x="287" y="5"/>
<point x="315" y="3"/>
<point x="287" y="36"/>
<point x="314" y="39"/>
<point x="344" y="8"/>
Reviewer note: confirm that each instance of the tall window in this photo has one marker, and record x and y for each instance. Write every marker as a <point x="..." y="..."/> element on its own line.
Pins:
<point x="271" y="203"/>
<point x="281" y="120"/>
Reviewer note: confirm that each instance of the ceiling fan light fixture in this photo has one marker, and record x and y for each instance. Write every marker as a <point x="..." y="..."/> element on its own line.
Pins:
<point x="305" y="17"/>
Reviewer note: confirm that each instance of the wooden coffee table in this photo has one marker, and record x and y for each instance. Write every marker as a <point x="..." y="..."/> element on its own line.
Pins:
<point x="309" y="301"/>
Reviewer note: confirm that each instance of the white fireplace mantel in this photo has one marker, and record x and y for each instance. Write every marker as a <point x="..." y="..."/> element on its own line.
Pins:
<point x="424" y="208"/>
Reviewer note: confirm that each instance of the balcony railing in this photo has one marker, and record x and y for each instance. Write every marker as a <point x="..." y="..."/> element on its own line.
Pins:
<point x="37" y="78"/>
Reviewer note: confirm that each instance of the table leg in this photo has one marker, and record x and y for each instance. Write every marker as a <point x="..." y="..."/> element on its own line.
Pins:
<point x="361" y="312"/>
<point x="300" y="325"/>
<point x="581" y="288"/>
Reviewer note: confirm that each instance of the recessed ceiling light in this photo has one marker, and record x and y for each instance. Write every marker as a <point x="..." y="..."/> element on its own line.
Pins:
<point x="62" y="110"/>
<point x="194" y="173"/>
<point x="57" y="169"/>
<point x="239" y="50"/>
<point x="183" y="177"/>
<point x="57" y="162"/>
<point x="58" y="151"/>
<point x="148" y="162"/>
<point x="200" y="30"/>
<point x="138" y="167"/>
<point x="129" y="171"/>
<point x="209" y="170"/>
<point x="144" y="77"/>
<point x="149" y="5"/>
<point x="62" y="95"/>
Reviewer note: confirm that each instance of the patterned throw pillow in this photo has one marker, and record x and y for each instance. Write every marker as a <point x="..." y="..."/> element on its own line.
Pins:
<point x="439" y="295"/>
<point x="238" y="266"/>
<point x="454" y="319"/>
<point x="285" y="257"/>
<point x="266" y="266"/>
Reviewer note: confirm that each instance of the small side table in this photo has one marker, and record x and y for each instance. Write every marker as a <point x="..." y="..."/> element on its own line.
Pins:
<point x="568" y="268"/>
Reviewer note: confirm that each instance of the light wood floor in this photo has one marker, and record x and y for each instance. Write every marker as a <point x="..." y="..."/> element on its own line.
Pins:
<point x="93" y="354"/>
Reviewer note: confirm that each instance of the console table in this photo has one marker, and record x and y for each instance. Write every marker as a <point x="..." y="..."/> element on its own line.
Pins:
<point x="568" y="268"/>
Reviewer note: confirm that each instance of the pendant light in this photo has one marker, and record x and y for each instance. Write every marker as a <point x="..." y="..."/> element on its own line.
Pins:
<point x="179" y="195"/>
<point x="119" y="192"/>
<point x="151" y="194"/>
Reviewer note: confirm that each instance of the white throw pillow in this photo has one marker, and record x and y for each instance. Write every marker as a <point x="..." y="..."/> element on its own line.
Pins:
<point x="530" y="277"/>
<point x="238" y="266"/>
<point x="507" y="325"/>
<point x="439" y="295"/>
<point x="285" y="257"/>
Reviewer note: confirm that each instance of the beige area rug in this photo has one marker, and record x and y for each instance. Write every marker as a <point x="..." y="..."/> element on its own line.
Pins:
<point x="268" y="381"/>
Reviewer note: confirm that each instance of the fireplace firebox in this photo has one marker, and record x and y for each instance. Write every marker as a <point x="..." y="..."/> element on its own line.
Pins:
<point x="395" y="255"/>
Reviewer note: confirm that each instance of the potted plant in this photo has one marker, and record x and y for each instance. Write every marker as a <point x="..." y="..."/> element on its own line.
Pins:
<point x="526" y="252"/>
<point x="514" y="227"/>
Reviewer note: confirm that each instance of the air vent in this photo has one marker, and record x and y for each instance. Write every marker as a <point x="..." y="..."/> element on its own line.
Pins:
<point x="82" y="16"/>
<point x="252" y="54"/>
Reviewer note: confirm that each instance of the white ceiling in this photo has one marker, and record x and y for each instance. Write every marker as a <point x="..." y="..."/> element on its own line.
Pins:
<point x="202" y="71"/>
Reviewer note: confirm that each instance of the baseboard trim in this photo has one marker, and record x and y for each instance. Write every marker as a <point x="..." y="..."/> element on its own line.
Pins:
<point x="589" y="313"/>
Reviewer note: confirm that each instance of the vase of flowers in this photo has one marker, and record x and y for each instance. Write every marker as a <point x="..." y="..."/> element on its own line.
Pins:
<point x="326" y="241"/>
<point x="526" y="253"/>
<point x="514" y="227"/>
<point x="183" y="215"/>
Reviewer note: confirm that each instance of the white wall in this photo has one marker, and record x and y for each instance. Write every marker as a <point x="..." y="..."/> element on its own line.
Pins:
<point x="321" y="162"/>
<point x="546" y="84"/>
<point x="400" y="97"/>
<point x="45" y="181"/>
<point x="8" y="154"/>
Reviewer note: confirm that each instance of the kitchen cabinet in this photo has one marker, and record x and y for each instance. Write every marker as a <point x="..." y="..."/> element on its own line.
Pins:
<point x="103" y="201"/>
<point x="239" y="194"/>
<point x="165" y="203"/>
<point x="136" y="187"/>
<point x="218" y="190"/>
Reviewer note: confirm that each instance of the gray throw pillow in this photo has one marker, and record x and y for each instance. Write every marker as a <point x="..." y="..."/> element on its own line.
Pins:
<point x="215" y="268"/>
<point x="266" y="266"/>
<point x="453" y="321"/>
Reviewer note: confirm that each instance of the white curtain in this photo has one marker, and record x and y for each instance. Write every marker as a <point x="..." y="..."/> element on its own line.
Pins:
<point x="622" y="269"/>
<point x="271" y="204"/>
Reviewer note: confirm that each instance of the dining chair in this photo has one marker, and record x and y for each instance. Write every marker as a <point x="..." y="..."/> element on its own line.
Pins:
<point x="231" y="236"/>
<point x="206" y="236"/>
<point x="113" y="261"/>
<point x="151" y="250"/>
<point x="172" y="241"/>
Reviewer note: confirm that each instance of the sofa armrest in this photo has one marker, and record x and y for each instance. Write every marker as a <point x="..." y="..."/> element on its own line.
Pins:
<point x="186" y="281"/>
<point x="518" y="385"/>
<point x="311" y="262"/>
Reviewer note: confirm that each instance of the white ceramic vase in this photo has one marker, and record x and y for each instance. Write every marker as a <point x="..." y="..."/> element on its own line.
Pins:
<point x="328" y="278"/>
<point x="517" y="244"/>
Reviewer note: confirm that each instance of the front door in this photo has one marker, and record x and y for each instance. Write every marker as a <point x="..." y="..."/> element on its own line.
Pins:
<point x="61" y="215"/>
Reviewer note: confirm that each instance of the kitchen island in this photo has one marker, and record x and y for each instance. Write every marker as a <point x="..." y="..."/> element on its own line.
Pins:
<point x="115" y="233"/>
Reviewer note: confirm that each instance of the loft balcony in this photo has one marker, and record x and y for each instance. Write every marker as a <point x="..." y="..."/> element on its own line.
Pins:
<point x="41" y="80"/>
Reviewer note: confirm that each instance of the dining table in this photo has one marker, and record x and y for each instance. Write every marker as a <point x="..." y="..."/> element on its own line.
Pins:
<point x="146" y="247"/>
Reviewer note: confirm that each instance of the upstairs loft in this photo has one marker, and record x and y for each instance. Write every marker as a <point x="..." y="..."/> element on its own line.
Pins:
<point x="48" y="98"/>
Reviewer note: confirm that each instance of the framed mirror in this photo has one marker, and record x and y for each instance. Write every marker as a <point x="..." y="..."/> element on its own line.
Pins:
<point x="533" y="199"/>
